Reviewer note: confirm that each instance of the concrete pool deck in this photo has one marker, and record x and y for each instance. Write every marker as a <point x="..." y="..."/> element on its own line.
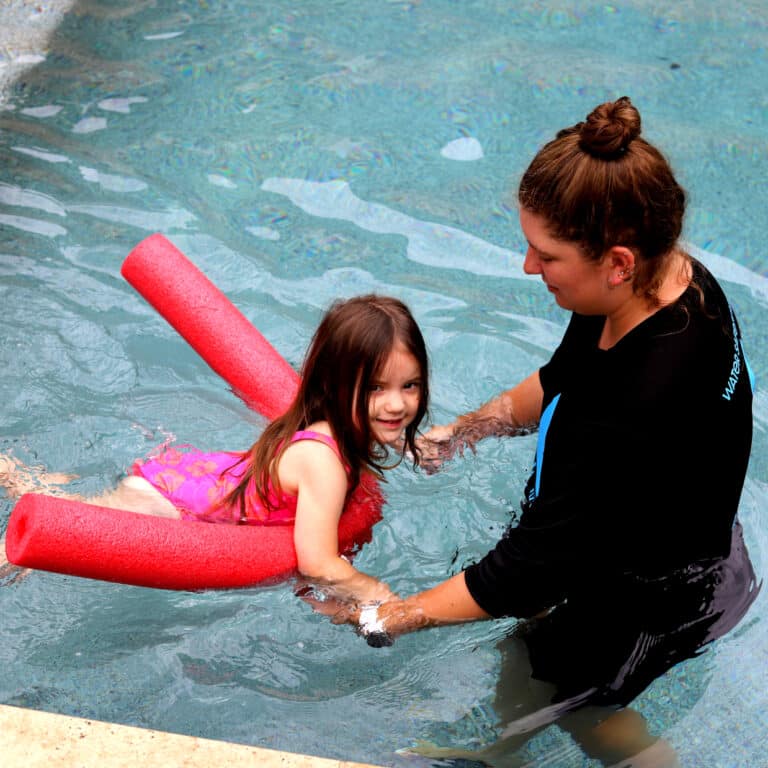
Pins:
<point x="32" y="739"/>
<point x="42" y="740"/>
<point x="25" y="28"/>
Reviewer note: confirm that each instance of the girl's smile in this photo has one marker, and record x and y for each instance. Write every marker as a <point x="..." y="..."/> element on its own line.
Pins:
<point x="395" y="395"/>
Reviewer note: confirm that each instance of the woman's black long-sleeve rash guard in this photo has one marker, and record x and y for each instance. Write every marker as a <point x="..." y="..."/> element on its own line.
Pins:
<point x="641" y="458"/>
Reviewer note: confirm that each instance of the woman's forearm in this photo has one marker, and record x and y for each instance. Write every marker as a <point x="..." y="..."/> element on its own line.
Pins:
<point x="380" y="621"/>
<point x="448" y="603"/>
<point x="513" y="412"/>
<point x="517" y="409"/>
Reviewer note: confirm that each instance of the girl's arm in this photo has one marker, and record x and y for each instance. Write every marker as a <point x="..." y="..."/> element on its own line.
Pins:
<point x="322" y="490"/>
<point x="514" y="411"/>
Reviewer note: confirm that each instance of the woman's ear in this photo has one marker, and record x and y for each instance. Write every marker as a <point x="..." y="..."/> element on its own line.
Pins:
<point x="621" y="265"/>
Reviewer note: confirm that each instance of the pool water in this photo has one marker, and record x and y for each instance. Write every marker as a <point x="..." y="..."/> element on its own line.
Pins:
<point x="297" y="152"/>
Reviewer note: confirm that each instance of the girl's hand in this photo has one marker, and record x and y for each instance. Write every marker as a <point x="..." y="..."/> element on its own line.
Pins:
<point x="364" y="616"/>
<point x="352" y="588"/>
<point x="338" y="611"/>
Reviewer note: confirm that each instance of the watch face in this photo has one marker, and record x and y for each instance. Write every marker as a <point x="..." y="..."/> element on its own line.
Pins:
<point x="379" y="639"/>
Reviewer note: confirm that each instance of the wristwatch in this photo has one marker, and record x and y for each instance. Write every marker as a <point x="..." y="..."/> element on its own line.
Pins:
<point x="371" y="627"/>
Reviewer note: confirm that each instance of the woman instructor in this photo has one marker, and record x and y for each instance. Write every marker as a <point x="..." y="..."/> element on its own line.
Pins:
<point x="627" y="557"/>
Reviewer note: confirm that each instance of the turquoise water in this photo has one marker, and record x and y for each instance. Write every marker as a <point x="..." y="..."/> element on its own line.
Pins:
<point x="297" y="152"/>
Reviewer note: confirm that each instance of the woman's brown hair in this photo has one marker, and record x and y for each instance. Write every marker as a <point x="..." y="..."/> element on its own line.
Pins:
<point x="599" y="184"/>
<point x="348" y="350"/>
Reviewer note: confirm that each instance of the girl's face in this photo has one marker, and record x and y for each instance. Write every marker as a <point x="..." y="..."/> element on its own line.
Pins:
<point x="394" y="395"/>
<point x="578" y="284"/>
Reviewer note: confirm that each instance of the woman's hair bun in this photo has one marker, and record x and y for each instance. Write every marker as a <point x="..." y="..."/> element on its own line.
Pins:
<point x="609" y="129"/>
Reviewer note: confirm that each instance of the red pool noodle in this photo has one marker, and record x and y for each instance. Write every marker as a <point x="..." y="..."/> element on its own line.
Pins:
<point x="212" y="325"/>
<point x="80" y="539"/>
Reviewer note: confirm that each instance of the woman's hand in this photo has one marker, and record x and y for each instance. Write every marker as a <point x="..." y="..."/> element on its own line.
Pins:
<point x="448" y="603"/>
<point x="436" y="446"/>
<point x="441" y="443"/>
<point x="514" y="412"/>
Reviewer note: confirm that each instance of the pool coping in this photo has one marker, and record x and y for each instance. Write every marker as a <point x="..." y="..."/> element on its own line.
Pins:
<point x="24" y="34"/>
<point x="34" y="739"/>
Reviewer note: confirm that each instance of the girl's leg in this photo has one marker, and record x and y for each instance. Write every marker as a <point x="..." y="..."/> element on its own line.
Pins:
<point x="134" y="494"/>
<point x="137" y="495"/>
<point x="10" y="574"/>
<point x="17" y="478"/>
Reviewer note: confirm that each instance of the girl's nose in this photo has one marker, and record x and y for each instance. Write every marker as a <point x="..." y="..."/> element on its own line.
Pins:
<point x="395" y="402"/>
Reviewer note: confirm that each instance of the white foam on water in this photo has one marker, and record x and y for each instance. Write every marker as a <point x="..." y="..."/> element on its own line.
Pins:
<point x="41" y="154"/>
<point x="221" y="181"/>
<point x="49" y="110"/>
<point x="163" y="36"/>
<point x="111" y="181"/>
<point x="89" y="125"/>
<point x="122" y="104"/>
<point x="264" y="233"/>
<point x="464" y="149"/>
<point x="34" y="226"/>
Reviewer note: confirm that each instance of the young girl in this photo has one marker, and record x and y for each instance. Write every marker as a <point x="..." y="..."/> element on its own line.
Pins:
<point x="363" y="389"/>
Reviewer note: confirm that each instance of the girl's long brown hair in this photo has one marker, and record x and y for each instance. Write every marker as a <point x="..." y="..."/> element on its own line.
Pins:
<point x="349" y="349"/>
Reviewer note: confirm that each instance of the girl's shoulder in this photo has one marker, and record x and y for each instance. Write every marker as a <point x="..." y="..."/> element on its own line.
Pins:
<point x="319" y="432"/>
<point x="308" y="455"/>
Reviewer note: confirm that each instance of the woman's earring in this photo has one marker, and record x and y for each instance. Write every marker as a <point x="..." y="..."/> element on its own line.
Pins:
<point x="627" y="274"/>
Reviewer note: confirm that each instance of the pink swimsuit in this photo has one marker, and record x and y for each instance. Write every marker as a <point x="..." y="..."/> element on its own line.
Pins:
<point x="195" y="482"/>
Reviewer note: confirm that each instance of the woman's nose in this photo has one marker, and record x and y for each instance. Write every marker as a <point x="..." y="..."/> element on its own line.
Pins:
<point x="531" y="263"/>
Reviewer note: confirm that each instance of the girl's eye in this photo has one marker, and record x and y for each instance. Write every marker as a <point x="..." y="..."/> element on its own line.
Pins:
<point x="375" y="388"/>
<point x="412" y="385"/>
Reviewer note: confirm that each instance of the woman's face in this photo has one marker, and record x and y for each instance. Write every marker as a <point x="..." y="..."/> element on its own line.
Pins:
<point x="578" y="284"/>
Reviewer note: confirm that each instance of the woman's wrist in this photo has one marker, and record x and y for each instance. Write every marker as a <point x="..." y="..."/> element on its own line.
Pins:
<point x="371" y="627"/>
<point x="495" y="419"/>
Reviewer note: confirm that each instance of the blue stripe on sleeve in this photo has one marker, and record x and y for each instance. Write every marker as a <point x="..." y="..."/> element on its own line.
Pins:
<point x="544" y="423"/>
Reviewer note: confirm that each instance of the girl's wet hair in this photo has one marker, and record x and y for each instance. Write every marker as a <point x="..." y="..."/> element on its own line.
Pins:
<point x="600" y="184"/>
<point x="348" y="350"/>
